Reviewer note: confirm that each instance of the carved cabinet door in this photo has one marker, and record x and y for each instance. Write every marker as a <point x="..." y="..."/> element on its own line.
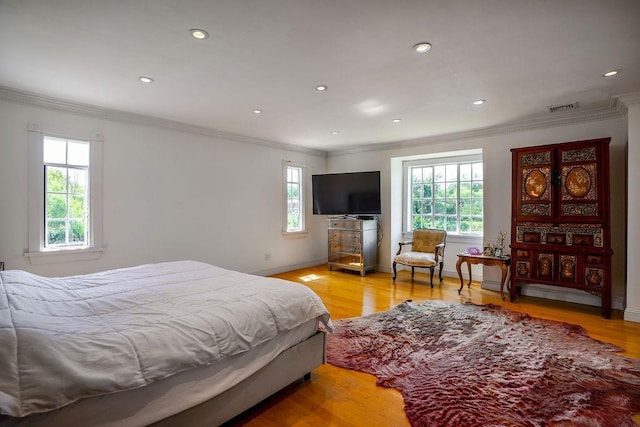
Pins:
<point x="579" y="193"/>
<point x="534" y="186"/>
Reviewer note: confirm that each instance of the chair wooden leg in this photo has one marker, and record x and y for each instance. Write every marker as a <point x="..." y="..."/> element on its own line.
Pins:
<point x="394" y="271"/>
<point x="431" y="269"/>
<point x="441" y="271"/>
<point x="413" y="270"/>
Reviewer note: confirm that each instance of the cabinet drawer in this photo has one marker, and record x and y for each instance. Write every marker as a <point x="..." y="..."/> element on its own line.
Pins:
<point x="345" y="224"/>
<point x="594" y="259"/>
<point x="344" y="236"/>
<point x="344" y="247"/>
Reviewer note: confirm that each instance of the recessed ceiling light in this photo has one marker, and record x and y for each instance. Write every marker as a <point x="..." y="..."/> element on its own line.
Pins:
<point x="321" y="88"/>
<point x="199" y="34"/>
<point x="479" y="101"/>
<point x="145" y="79"/>
<point x="397" y="120"/>
<point x="335" y="132"/>
<point x="422" y="47"/>
<point x="257" y="111"/>
<point x="611" y="73"/>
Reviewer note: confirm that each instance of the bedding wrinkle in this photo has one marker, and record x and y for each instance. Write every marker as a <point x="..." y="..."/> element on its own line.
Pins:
<point x="122" y="329"/>
<point x="8" y="402"/>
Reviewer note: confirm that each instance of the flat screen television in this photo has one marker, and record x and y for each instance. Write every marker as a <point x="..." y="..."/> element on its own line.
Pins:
<point x="354" y="193"/>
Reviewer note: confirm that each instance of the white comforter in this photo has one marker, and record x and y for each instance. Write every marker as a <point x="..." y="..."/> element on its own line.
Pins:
<point x="63" y="339"/>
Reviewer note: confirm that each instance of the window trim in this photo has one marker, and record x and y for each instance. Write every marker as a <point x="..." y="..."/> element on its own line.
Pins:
<point x="434" y="160"/>
<point x="286" y="164"/>
<point x="37" y="252"/>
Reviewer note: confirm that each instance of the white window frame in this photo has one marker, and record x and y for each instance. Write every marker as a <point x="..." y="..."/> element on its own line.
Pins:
<point x="37" y="252"/>
<point x="434" y="161"/>
<point x="286" y="164"/>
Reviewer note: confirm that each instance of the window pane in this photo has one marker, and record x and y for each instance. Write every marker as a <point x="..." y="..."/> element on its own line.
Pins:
<point x="427" y="175"/>
<point x="426" y="207"/>
<point x="78" y="208"/>
<point x="78" y="153"/>
<point x="476" y="225"/>
<point x="452" y="224"/>
<point x="476" y="189"/>
<point x="452" y="172"/>
<point x="56" y="206"/>
<point x="416" y="175"/>
<point x="416" y="207"/>
<point x="464" y="206"/>
<point x="438" y="222"/>
<point x="417" y="192"/>
<point x="477" y="171"/>
<point x="293" y="191"/>
<point x="77" y="181"/>
<point x="439" y="206"/>
<point x="439" y="190"/>
<point x="465" y="224"/>
<point x="56" y="179"/>
<point x="56" y="231"/>
<point x="55" y="150"/>
<point x="439" y="173"/>
<point x="77" y="232"/>
<point x="465" y="189"/>
<point x="465" y="172"/>
<point x="427" y="191"/>
<point x="476" y="207"/>
<point x="426" y="222"/>
<point x="452" y="190"/>
<point x="451" y="206"/>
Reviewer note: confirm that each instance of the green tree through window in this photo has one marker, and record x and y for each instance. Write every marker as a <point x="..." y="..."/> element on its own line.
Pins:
<point x="66" y="166"/>
<point x="446" y="196"/>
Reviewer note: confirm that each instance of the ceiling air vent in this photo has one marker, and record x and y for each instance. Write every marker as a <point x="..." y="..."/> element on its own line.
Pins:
<point x="563" y="107"/>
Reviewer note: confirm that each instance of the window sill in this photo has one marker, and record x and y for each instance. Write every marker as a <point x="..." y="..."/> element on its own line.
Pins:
<point x="67" y="255"/>
<point x="454" y="238"/>
<point x="295" y="234"/>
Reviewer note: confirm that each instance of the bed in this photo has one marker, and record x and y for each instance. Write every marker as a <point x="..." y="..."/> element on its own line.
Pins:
<point x="165" y="344"/>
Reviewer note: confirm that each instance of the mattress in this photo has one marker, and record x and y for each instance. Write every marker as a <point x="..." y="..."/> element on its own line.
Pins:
<point x="89" y="336"/>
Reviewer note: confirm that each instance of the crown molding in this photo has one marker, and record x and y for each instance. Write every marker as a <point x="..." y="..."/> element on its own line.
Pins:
<point x="628" y="99"/>
<point x="615" y="109"/>
<point x="29" y="98"/>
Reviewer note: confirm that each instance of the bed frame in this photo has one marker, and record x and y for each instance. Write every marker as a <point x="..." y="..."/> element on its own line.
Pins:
<point x="290" y="366"/>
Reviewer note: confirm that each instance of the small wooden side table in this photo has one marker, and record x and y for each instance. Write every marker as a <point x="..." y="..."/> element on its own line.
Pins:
<point x="503" y="262"/>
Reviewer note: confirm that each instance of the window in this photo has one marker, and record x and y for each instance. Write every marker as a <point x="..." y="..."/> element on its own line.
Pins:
<point x="66" y="182"/>
<point x="294" y="200"/>
<point x="65" y="198"/>
<point x="445" y="194"/>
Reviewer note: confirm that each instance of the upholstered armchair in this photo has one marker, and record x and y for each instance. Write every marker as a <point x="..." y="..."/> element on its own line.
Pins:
<point x="427" y="251"/>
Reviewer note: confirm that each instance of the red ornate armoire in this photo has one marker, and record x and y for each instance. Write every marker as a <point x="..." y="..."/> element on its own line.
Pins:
<point x="560" y="222"/>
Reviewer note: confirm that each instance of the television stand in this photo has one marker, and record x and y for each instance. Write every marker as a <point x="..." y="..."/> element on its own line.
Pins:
<point x="353" y="244"/>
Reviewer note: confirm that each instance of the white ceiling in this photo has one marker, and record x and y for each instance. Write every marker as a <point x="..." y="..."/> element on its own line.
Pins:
<point x="522" y="56"/>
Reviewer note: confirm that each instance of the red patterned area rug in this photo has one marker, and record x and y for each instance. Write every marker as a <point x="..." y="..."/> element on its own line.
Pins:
<point x="471" y="365"/>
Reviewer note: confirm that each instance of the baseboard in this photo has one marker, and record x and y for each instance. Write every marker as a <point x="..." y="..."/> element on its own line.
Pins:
<point x="290" y="267"/>
<point x="557" y="293"/>
<point x="632" y="314"/>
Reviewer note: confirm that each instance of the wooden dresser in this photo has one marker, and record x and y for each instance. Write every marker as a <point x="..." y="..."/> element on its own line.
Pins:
<point x="560" y="222"/>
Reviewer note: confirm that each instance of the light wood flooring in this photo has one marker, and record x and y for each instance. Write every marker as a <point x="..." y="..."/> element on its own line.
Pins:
<point x="339" y="397"/>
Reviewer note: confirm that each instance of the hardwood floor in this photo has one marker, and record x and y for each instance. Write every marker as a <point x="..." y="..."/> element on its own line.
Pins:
<point x="339" y="397"/>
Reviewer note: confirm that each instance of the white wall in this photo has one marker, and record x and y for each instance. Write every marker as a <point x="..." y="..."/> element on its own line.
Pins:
<point x="632" y="311"/>
<point x="168" y="195"/>
<point x="497" y="193"/>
